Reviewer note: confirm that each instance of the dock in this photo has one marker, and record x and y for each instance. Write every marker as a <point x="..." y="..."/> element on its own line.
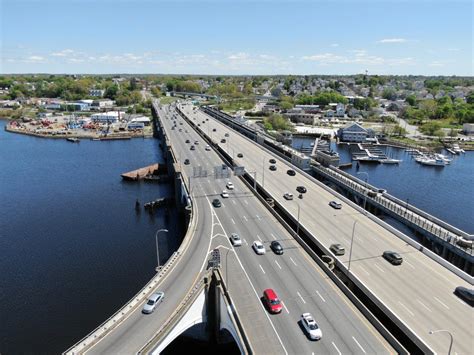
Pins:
<point x="141" y="173"/>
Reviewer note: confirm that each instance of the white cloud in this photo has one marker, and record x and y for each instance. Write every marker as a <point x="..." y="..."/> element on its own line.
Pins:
<point x="436" y="63"/>
<point x="392" y="40"/>
<point x="63" y="53"/>
<point x="334" y="45"/>
<point x="238" y="56"/>
<point x="34" y="59"/>
<point x="325" y="58"/>
<point x="358" y="56"/>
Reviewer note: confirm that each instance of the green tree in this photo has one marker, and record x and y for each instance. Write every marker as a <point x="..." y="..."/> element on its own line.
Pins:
<point x="431" y="128"/>
<point x="111" y="92"/>
<point x="411" y="99"/>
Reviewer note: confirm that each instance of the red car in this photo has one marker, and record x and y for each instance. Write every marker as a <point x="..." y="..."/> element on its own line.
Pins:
<point x="272" y="301"/>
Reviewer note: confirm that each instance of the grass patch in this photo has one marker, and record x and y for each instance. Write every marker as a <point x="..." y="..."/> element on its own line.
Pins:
<point x="165" y="100"/>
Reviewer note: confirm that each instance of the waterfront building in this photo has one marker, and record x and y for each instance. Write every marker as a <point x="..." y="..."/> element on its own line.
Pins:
<point x="354" y="132"/>
<point x="107" y="117"/>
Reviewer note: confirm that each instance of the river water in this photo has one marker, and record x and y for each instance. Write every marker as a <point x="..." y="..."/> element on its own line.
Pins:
<point x="445" y="192"/>
<point x="73" y="248"/>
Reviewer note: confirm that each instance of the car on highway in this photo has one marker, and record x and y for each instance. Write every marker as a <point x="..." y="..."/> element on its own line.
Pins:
<point x="258" y="247"/>
<point x="213" y="130"/>
<point x="301" y="189"/>
<point x="208" y="148"/>
<point x="310" y="327"/>
<point x="152" y="302"/>
<point x="180" y="130"/>
<point x="196" y="142"/>
<point x="276" y="247"/>
<point x="336" y="205"/>
<point x="240" y="155"/>
<point x="272" y="167"/>
<point x="225" y="194"/>
<point x="223" y="140"/>
<point x="229" y="185"/>
<point x="188" y="141"/>
<point x="193" y="147"/>
<point x="392" y="257"/>
<point x="272" y="302"/>
<point x="226" y="135"/>
<point x="216" y="202"/>
<point x="235" y="240"/>
<point x="186" y="161"/>
<point x="288" y="196"/>
<point x="291" y="172"/>
<point x="272" y="161"/>
<point x="337" y="249"/>
<point x="466" y="294"/>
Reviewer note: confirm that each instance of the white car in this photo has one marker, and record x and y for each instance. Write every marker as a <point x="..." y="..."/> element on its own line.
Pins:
<point x="208" y="148"/>
<point x="288" y="196"/>
<point x="310" y="326"/>
<point x="154" y="300"/>
<point x="235" y="240"/>
<point x="225" y="194"/>
<point x="258" y="247"/>
<point x="230" y="185"/>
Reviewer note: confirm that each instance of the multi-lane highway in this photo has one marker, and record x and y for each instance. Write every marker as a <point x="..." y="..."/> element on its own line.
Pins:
<point x="294" y="276"/>
<point x="419" y="292"/>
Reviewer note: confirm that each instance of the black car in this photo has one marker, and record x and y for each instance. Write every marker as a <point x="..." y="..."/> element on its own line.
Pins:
<point x="186" y="161"/>
<point x="227" y="134"/>
<point x="291" y="172"/>
<point x="276" y="247"/>
<point x="213" y="130"/>
<point x="466" y="294"/>
<point x="223" y="140"/>
<point x="392" y="257"/>
<point x="188" y="141"/>
<point x="216" y="202"/>
<point x="272" y="161"/>
<point x="193" y="147"/>
<point x="273" y="167"/>
<point x="240" y="155"/>
<point x="301" y="189"/>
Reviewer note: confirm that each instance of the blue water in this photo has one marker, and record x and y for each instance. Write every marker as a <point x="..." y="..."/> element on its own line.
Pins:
<point x="73" y="248"/>
<point x="447" y="193"/>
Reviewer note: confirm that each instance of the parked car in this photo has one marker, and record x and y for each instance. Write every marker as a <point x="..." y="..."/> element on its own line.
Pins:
<point x="466" y="294"/>
<point x="152" y="302"/>
<point x="240" y="155"/>
<point x="272" y="161"/>
<point x="225" y="194"/>
<point x="258" y="247"/>
<point x="310" y="327"/>
<point x="392" y="257"/>
<point x="337" y="249"/>
<point x="288" y="196"/>
<point x="216" y="202"/>
<point x="229" y="185"/>
<point x="291" y="172"/>
<point x="235" y="240"/>
<point x="276" y="247"/>
<point x="301" y="189"/>
<point x="335" y="204"/>
<point x="186" y="161"/>
<point x="273" y="167"/>
<point x="272" y="301"/>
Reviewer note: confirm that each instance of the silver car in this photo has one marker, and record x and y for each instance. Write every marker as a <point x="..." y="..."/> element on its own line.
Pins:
<point x="235" y="240"/>
<point x="152" y="302"/>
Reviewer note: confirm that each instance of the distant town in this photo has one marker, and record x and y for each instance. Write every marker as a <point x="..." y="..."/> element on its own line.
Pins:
<point x="411" y="110"/>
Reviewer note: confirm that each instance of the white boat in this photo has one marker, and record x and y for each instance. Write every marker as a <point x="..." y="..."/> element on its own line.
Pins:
<point x="444" y="158"/>
<point x="431" y="161"/>
<point x="390" y="161"/>
<point x="457" y="149"/>
<point x="451" y="151"/>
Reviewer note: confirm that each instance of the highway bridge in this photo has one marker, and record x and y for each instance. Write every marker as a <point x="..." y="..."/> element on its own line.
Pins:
<point x="302" y="283"/>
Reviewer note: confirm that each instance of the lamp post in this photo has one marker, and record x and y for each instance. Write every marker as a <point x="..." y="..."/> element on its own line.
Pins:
<point x="450" y="334"/>
<point x="157" y="249"/>
<point x="406" y="207"/>
<point x="352" y="243"/>
<point x="298" y="218"/>
<point x="366" y="182"/>
<point x="263" y="172"/>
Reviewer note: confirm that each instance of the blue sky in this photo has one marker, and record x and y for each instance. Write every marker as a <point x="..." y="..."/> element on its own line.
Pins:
<point x="427" y="37"/>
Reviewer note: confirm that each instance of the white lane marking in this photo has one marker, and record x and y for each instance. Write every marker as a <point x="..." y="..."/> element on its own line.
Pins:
<point x="276" y="262"/>
<point x="232" y="220"/>
<point x="444" y="305"/>
<point x="364" y="270"/>
<point x="293" y="261"/>
<point x="246" y="202"/>
<point x="424" y="305"/>
<point x="273" y="236"/>
<point x="284" y="306"/>
<point x="406" y="262"/>
<point x="233" y="202"/>
<point x="378" y="267"/>
<point x="261" y="268"/>
<point x="245" y="241"/>
<point x="209" y="181"/>
<point x="223" y="204"/>
<point x="259" y="237"/>
<point x="335" y="347"/>
<point x="360" y="346"/>
<point x="245" y="218"/>
<point x="215" y="192"/>
<point x="301" y="297"/>
<point x="406" y="308"/>
<point x="258" y="217"/>
<point x="320" y="296"/>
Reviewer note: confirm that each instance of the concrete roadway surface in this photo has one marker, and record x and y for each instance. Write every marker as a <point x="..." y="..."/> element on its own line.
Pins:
<point x="419" y="292"/>
<point x="297" y="279"/>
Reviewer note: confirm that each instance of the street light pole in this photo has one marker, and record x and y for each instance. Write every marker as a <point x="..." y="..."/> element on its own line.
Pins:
<point x="366" y="183"/>
<point x="450" y="334"/>
<point x="352" y="243"/>
<point x="263" y="172"/>
<point x="406" y="208"/>
<point x="157" y="249"/>
<point x="298" y="225"/>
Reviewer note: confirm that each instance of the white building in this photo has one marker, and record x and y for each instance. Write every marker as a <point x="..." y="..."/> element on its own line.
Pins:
<point x="109" y="117"/>
<point x="102" y="104"/>
<point x="96" y="92"/>
<point x="468" y="128"/>
<point x="141" y="119"/>
<point x="353" y="132"/>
